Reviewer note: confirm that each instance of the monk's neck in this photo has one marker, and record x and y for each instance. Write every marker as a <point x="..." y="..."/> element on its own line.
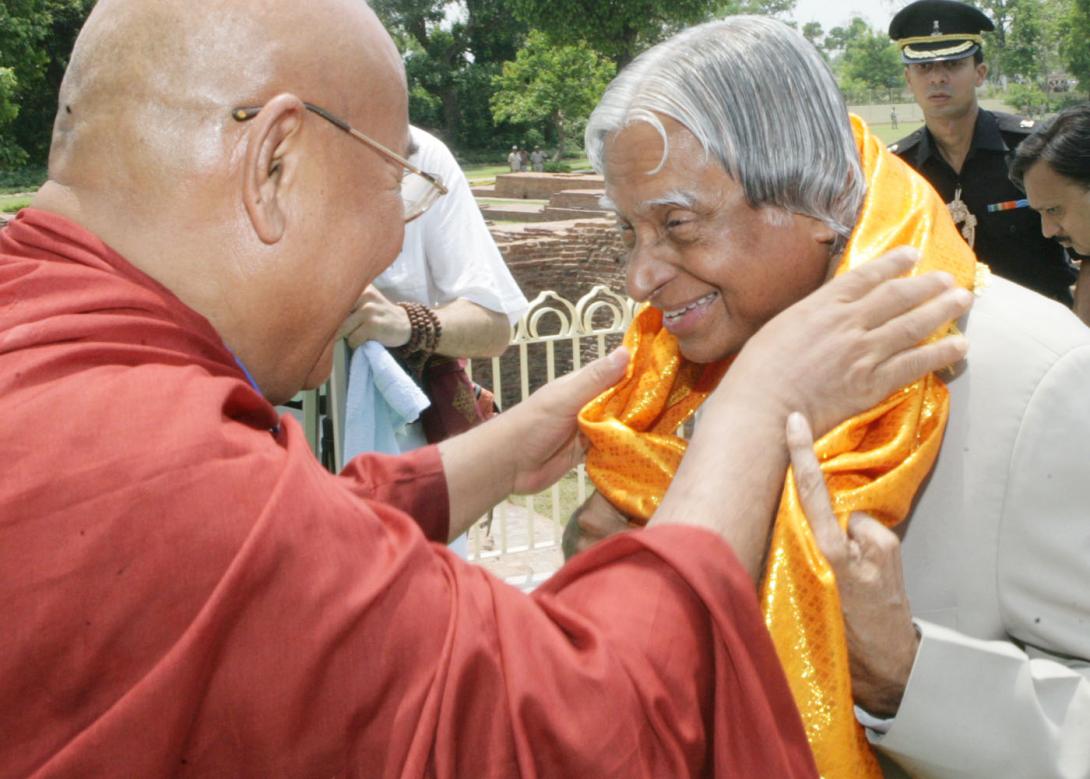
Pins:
<point x="148" y="240"/>
<point x="954" y="136"/>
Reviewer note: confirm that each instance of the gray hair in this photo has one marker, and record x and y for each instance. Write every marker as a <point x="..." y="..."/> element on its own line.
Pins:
<point x="760" y="99"/>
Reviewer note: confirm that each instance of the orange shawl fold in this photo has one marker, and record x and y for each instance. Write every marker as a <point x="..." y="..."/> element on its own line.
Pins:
<point x="873" y="462"/>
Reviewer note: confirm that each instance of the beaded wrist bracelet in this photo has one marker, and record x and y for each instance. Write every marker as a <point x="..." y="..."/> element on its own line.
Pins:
<point x="426" y="329"/>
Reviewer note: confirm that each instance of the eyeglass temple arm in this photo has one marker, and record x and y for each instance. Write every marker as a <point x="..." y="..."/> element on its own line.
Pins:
<point x="244" y="114"/>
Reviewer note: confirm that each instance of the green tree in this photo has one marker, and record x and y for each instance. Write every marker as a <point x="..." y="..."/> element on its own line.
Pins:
<point x="813" y="32"/>
<point x="838" y="38"/>
<point x="864" y="60"/>
<point x="556" y="84"/>
<point x="1073" y="46"/>
<point x="11" y="154"/>
<point x="36" y="38"/>
<point x="1023" y="55"/>
<point x="872" y="59"/>
<point x="451" y="51"/>
<point x="995" y="42"/>
<point x="1026" y="42"/>
<point x="621" y="30"/>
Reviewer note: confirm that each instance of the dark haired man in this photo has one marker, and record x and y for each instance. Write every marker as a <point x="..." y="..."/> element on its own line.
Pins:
<point x="1053" y="168"/>
<point x="962" y="149"/>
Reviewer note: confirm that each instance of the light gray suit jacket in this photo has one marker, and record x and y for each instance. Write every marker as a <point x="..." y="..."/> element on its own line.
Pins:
<point x="997" y="557"/>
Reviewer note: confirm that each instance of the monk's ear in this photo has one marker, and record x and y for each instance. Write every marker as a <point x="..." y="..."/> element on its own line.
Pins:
<point x="271" y="164"/>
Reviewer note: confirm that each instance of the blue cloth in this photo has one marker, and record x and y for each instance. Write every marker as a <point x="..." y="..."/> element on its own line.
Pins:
<point x="381" y="400"/>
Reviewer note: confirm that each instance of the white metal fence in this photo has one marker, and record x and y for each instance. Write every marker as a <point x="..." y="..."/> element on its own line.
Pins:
<point x="520" y="539"/>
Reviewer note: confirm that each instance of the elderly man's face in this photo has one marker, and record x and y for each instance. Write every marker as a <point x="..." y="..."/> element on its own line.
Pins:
<point x="1064" y="205"/>
<point x="716" y="267"/>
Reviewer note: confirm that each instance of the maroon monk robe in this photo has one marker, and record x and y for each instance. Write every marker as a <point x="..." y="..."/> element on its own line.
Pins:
<point x="184" y="590"/>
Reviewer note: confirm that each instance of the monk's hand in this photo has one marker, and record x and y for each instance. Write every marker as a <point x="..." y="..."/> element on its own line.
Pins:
<point x="592" y="522"/>
<point x="866" y="561"/>
<point x="542" y="435"/>
<point x="376" y="318"/>
<point x="526" y="448"/>
<point x="854" y="341"/>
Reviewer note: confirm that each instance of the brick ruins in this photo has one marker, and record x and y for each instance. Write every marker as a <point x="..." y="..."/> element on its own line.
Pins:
<point x="569" y="257"/>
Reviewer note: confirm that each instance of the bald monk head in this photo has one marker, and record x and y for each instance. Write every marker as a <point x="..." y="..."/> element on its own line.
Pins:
<point x="269" y="227"/>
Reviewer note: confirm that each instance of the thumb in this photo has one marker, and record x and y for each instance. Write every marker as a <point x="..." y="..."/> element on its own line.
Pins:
<point x="813" y="494"/>
<point x="579" y="388"/>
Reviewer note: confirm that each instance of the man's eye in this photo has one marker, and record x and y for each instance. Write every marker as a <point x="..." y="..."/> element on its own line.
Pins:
<point x="684" y="229"/>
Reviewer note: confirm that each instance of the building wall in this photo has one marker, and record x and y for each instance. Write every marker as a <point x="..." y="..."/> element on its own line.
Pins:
<point x="569" y="258"/>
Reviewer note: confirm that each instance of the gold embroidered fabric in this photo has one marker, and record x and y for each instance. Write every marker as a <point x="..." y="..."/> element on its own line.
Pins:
<point x="873" y="462"/>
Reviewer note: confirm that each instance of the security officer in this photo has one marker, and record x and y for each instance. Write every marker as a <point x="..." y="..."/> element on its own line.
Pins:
<point x="962" y="149"/>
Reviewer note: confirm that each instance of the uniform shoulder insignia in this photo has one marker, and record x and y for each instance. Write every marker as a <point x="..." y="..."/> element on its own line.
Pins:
<point x="1011" y="123"/>
<point x="906" y="143"/>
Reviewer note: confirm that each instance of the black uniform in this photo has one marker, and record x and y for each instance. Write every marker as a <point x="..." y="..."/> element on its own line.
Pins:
<point x="1009" y="241"/>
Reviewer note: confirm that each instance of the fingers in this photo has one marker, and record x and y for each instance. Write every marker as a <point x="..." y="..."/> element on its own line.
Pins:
<point x="904" y="368"/>
<point x="813" y="494"/>
<point x="894" y="358"/>
<point x="351" y="323"/>
<point x="891" y="299"/>
<point x="911" y="327"/>
<point x="869" y="531"/>
<point x="579" y="388"/>
<point x="371" y="294"/>
<point x="875" y="542"/>
<point x="859" y="281"/>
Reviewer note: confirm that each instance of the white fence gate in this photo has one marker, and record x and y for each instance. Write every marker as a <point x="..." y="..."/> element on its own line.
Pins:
<point x="520" y="539"/>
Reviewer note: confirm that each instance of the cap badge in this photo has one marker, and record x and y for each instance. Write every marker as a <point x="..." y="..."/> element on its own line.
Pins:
<point x="935" y="28"/>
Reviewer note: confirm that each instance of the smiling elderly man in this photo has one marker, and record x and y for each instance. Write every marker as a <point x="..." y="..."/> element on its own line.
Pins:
<point x="186" y="591"/>
<point x="740" y="184"/>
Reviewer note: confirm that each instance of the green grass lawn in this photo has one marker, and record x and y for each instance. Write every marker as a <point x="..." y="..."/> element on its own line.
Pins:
<point x="567" y="498"/>
<point x="889" y="135"/>
<point x="10" y="203"/>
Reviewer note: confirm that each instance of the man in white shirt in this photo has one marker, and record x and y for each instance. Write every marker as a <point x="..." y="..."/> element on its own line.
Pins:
<point x="449" y="264"/>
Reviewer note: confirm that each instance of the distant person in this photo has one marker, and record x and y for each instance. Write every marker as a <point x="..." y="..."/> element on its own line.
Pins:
<point x="962" y="149"/>
<point x="893" y="117"/>
<point x="514" y="160"/>
<point x="537" y="159"/>
<point x="450" y="282"/>
<point x="524" y="159"/>
<point x="1053" y="167"/>
<point x="449" y="275"/>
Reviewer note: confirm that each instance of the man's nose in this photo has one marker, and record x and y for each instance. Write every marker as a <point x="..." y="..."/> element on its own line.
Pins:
<point x="1049" y="226"/>
<point x="648" y="268"/>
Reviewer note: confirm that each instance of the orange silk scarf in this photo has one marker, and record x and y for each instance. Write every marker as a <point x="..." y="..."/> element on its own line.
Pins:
<point x="873" y="462"/>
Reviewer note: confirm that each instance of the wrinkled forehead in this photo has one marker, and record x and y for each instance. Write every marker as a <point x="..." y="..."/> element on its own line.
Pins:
<point x="649" y="164"/>
<point x="650" y="139"/>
